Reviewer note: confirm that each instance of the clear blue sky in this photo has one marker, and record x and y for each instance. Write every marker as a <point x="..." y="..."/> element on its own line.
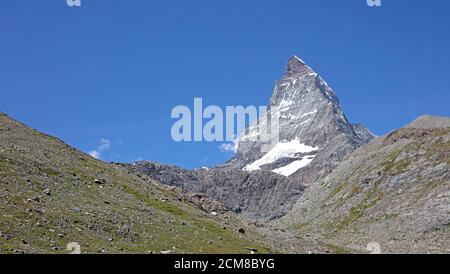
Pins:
<point x="114" y="69"/>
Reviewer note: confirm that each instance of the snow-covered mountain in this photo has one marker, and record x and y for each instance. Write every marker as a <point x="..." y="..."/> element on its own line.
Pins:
<point x="314" y="134"/>
<point x="262" y="181"/>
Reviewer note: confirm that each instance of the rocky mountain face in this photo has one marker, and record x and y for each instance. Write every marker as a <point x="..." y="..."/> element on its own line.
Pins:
<point x="52" y="195"/>
<point x="329" y="179"/>
<point x="257" y="195"/>
<point x="365" y="134"/>
<point x="325" y="185"/>
<point x="394" y="191"/>
<point x="314" y="134"/>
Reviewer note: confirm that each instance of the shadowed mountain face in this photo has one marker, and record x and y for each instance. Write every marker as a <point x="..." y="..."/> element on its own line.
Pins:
<point x="259" y="195"/>
<point x="310" y="115"/>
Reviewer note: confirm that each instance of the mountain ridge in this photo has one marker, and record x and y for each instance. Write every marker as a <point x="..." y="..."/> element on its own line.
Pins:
<point x="429" y="122"/>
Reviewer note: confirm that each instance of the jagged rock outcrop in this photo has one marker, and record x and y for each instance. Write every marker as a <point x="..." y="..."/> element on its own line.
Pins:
<point x="310" y="115"/>
<point x="365" y="134"/>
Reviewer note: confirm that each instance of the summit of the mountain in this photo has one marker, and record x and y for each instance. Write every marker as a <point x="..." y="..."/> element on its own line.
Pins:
<point x="310" y="116"/>
<point x="295" y="67"/>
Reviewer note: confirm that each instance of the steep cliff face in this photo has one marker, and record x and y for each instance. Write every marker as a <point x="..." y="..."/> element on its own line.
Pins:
<point x="314" y="134"/>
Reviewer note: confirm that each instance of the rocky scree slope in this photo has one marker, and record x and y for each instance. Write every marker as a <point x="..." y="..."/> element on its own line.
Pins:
<point x="394" y="191"/>
<point x="52" y="194"/>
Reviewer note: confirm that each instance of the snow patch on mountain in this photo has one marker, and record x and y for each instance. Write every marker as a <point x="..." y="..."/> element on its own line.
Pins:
<point x="294" y="166"/>
<point x="286" y="149"/>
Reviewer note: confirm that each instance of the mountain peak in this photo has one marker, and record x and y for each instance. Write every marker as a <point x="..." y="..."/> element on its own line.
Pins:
<point x="310" y="116"/>
<point x="295" y="58"/>
<point x="295" y="66"/>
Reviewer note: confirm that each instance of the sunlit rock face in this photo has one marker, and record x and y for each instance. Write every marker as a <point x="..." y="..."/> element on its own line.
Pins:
<point x="311" y="125"/>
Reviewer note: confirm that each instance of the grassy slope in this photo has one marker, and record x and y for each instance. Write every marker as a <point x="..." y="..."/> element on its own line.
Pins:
<point x="123" y="215"/>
